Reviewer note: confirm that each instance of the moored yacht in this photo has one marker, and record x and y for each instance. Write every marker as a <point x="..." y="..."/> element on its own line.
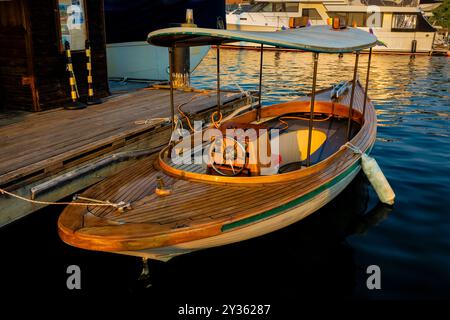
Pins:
<point x="399" y="24"/>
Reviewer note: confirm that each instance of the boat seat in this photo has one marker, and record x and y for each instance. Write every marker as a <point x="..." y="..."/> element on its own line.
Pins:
<point x="293" y="149"/>
<point x="293" y="146"/>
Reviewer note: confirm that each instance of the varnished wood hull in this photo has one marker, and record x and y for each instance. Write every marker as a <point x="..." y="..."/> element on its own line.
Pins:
<point x="266" y="225"/>
<point x="212" y="212"/>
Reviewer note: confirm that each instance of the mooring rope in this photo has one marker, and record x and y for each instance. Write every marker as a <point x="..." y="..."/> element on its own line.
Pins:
<point x="98" y="203"/>
<point x="188" y="121"/>
<point x="352" y="147"/>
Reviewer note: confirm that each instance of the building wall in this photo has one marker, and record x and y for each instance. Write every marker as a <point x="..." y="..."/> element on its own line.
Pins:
<point x="52" y="80"/>
<point x="15" y="65"/>
<point x="33" y="73"/>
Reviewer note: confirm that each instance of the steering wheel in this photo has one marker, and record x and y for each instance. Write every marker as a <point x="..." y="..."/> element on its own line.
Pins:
<point x="232" y="152"/>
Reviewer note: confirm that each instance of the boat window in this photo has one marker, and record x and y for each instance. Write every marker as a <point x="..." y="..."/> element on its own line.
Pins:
<point x="72" y="19"/>
<point x="391" y="3"/>
<point x="359" y="18"/>
<point x="291" y="7"/>
<point x="237" y="11"/>
<point x="311" y="13"/>
<point x="261" y="7"/>
<point x="341" y="15"/>
<point x="275" y="7"/>
<point x="402" y="21"/>
<point x="278" y="7"/>
<point x="237" y="8"/>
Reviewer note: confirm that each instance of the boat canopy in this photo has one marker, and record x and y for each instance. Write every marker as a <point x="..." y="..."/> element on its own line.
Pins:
<point x="315" y="38"/>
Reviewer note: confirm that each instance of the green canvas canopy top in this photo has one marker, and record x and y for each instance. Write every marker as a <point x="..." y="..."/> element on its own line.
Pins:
<point x="315" y="38"/>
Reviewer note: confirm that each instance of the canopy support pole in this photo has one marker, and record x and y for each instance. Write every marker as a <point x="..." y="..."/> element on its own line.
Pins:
<point x="367" y="84"/>
<point x="172" y="103"/>
<point x="311" y="115"/>
<point x="352" y="96"/>
<point x="218" y="81"/>
<point x="258" y="111"/>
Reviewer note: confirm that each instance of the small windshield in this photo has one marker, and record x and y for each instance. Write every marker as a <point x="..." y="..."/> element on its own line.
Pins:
<point x="274" y="7"/>
<point x="261" y="7"/>
<point x="237" y="9"/>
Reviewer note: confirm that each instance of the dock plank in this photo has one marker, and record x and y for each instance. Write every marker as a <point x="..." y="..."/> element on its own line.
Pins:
<point x="40" y="140"/>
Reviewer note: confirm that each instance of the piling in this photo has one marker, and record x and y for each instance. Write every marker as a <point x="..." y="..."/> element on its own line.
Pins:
<point x="75" y="105"/>
<point x="91" y="99"/>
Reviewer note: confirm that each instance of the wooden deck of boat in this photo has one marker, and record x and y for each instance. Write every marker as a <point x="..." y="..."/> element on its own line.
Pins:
<point x="34" y="144"/>
<point x="194" y="210"/>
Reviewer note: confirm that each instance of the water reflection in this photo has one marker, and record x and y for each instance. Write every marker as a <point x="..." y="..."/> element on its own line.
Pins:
<point x="328" y="252"/>
<point x="412" y="97"/>
<point x="309" y="258"/>
<point x="402" y="88"/>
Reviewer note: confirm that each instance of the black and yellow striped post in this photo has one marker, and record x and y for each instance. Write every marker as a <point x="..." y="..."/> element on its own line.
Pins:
<point x="73" y="82"/>
<point x="90" y="100"/>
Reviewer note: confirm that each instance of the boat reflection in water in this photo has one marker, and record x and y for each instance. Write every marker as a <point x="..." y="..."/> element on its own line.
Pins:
<point x="309" y="258"/>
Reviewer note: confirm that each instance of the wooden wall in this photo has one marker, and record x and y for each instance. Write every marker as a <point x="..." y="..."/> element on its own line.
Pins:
<point x="50" y="63"/>
<point x="33" y="72"/>
<point x="15" y="64"/>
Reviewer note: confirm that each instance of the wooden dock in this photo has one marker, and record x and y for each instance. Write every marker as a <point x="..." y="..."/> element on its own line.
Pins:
<point x="38" y="147"/>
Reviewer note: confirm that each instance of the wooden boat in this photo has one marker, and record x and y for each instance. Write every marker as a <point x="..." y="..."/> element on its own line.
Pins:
<point x="176" y="208"/>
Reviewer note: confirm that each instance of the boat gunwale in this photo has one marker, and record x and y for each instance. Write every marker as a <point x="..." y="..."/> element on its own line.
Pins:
<point x="276" y="178"/>
<point x="166" y="237"/>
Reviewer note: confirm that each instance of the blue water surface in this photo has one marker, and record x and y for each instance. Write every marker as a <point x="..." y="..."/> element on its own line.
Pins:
<point x="412" y="97"/>
<point x="324" y="256"/>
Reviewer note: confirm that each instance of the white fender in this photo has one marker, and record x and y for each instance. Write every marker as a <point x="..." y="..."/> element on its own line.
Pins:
<point x="377" y="179"/>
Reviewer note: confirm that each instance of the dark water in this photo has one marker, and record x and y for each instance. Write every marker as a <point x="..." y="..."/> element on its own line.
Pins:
<point x="327" y="254"/>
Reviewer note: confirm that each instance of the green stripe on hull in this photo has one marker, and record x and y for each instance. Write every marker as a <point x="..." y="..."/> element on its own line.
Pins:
<point x="292" y="203"/>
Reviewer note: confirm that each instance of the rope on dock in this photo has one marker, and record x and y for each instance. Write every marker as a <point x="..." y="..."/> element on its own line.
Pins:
<point x="121" y="206"/>
<point x="151" y="121"/>
<point x="184" y="115"/>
